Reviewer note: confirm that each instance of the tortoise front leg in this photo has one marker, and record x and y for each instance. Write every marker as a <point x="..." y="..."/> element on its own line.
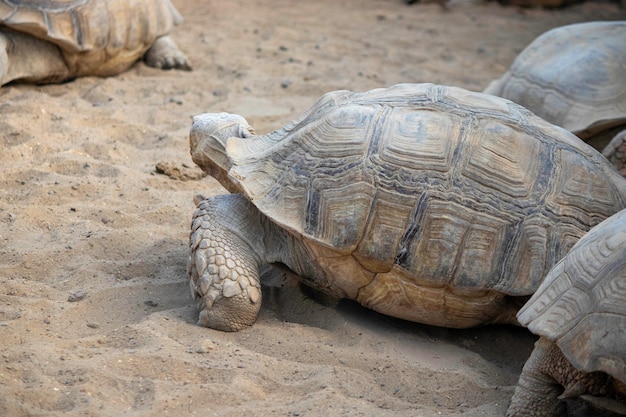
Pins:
<point x="225" y="255"/>
<point x="25" y="58"/>
<point x="537" y="393"/>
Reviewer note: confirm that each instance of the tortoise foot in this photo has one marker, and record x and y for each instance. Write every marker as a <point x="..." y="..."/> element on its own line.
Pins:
<point x="165" y="54"/>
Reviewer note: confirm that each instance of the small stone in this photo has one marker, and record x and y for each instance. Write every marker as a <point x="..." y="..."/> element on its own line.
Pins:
<point x="204" y="346"/>
<point x="76" y="296"/>
<point x="220" y="92"/>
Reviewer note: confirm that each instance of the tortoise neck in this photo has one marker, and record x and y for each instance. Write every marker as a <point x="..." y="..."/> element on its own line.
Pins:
<point x="293" y="252"/>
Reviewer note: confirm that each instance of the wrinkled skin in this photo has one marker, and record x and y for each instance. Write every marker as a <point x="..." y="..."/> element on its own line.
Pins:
<point x="548" y="378"/>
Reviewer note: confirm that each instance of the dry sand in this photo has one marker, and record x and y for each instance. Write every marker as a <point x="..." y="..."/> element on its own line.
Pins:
<point x="83" y="210"/>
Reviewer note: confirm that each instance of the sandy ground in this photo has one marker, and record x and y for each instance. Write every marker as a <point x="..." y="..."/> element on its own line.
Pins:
<point x="82" y="209"/>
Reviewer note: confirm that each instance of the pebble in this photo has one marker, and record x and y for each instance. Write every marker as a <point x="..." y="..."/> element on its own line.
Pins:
<point x="204" y="346"/>
<point x="76" y="296"/>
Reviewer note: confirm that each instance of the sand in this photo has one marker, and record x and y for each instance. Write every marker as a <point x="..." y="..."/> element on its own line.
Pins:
<point x="96" y="317"/>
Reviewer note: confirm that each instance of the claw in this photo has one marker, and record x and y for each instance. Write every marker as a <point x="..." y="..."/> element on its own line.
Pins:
<point x="203" y="284"/>
<point x="210" y="297"/>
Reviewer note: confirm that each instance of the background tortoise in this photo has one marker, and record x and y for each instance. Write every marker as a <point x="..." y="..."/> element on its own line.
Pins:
<point x="580" y="313"/>
<point x="615" y="152"/>
<point x="573" y="77"/>
<point x="50" y="41"/>
<point x="428" y="203"/>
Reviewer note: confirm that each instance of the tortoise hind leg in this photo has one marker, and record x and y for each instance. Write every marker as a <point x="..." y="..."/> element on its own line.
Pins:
<point x="25" y="58"/>
<point x="165" y="54"/>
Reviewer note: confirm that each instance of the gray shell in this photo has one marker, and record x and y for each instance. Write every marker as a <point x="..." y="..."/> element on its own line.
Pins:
<point x="99" y="37"/>
<point x="449" y="187"/>
<point x="615" y="152"/>
<point x="572" y="76"/>
<point x="581" y="305"/>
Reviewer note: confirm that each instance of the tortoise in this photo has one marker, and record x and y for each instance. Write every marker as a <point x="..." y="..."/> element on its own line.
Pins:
<point x="54" y="41"/>
<point x="424" y="202"/>
<point x="579" y="311"/>
<point x="573" y="77"/>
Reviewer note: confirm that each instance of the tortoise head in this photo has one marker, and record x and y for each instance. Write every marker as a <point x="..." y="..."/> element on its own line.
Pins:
<point x="208" y="137"/>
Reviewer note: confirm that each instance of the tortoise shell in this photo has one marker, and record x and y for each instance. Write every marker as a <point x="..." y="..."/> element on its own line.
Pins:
<point x="436" y="186"/>
<point x="615" y="152"/>
<point x="572" y="76"/>
<point x="97" y="37"/>
<point x="581" y="305"/>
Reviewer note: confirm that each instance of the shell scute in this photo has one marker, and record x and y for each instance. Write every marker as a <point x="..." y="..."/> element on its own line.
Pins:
<point x="330" y="220"/>
<point x="389" y="216"/>
<point x="343" y="133"/>
<point x="505" y="158"/>
<point x="414" y="141"/>
<point x="611" y="295"/>
<point x="572" y="189"/>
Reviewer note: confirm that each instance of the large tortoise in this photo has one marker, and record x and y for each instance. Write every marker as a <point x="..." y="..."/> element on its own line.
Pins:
<point x="573" y="76"/>
<point x="424" y="202"/>
<point x="52" y="41"/>
<point x="580" y="313"/>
